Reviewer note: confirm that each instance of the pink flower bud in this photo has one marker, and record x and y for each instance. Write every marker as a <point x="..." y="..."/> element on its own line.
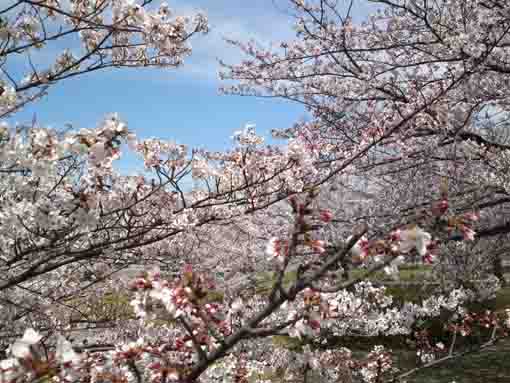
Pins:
<point x="468" y="233"/>
<point x="326" y="216"/>
<point x="395" y="235"/>
<point x="318" y="246"/>
<point x="473" y="217"/>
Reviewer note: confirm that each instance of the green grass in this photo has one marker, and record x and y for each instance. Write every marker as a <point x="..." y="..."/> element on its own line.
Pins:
<point x="116" y="306"/>
<point x="109" y="307"/>
<point x="266" y="280"/>
<point x="491" y="366"/>
<point x="406" y="274"/>
<point x="502" y="300"/>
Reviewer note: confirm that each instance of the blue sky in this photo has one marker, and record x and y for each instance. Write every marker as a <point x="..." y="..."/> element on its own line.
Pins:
<point x="183" y="104"/>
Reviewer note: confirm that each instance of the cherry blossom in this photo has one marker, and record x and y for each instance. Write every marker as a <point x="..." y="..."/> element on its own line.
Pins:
<point x="395" y="158"/>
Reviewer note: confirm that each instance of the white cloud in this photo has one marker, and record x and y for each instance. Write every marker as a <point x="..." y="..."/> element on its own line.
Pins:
<point x="263" y="23"/>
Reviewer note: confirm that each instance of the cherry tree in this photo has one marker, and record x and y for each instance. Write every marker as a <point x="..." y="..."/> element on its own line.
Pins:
<point x="51" y="182"/>
<point x="110" y="34"/>
<point x="411" y="101"/>
<point x="402" y="97"/>
<point x="419" y="87"/>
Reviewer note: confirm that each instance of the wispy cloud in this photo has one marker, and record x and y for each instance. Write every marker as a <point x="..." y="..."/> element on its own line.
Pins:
<point x="264" y="21"/>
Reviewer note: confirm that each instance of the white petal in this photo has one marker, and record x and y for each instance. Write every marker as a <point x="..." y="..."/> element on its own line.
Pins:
<point x="20" y="349"/>
<point x="31" y="336"/>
